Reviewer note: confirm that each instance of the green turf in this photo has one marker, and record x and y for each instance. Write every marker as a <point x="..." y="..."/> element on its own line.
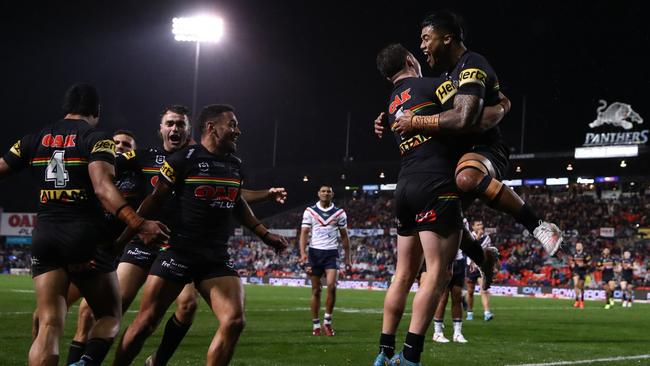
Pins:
<point x="278" y="331"/>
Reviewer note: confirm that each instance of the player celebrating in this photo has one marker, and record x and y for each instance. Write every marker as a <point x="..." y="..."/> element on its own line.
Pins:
<point x="206" y="179"/>
<point x="606" y="264"/>
<point x="627" y="275"/>
<point x="326" y="222"/>
<point x="455" y="288"/>
<point x="427" y="207"/>
<point x="474" y="275"/>
<point x="579" y="264"/>
<point x="76" y="163"/>
<point x="471" y="83"/>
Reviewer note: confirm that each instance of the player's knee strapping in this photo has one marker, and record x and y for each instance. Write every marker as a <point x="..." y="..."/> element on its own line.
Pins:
<point x="489" y="189"/>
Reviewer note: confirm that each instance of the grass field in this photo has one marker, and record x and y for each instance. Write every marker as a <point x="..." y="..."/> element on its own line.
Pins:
<point x="278" y="331"/>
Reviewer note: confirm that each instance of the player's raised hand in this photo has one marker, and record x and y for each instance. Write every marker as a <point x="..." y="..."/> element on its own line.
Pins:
<point x="379" y="124"/>
<point x="404" y="124"/>
<point x="278" y="194"/>
<point x="277" y="242"/>
<point x="153" y="232"/>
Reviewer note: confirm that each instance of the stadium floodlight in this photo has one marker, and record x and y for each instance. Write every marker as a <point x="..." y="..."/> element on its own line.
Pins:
<point x="200" y="28"/>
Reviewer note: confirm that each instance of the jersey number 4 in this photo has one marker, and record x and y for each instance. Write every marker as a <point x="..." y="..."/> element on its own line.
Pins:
<point x="55" y="171"/>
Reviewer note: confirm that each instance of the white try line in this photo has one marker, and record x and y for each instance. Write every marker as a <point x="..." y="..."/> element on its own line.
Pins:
<point x="610" y="359"/>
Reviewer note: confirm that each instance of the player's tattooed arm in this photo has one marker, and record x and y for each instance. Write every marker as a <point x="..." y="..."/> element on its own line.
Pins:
<point x="277" y="194"/>
<point x="466" y="110"/>
<point x="247" y="218"/>
<point x="492" y="115"/>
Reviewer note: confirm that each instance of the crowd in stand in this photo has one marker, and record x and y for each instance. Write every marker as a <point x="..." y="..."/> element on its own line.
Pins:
<point x="579" y="211"/>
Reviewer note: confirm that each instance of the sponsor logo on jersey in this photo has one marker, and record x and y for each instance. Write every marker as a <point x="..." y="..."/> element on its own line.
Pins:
<point x="104" y="146"/>
<point x="412" y="142"/>
<point x="16" y="149"/>
<point x="468" y="76"/>
<point x="399" y="100"/>
<point x="50" y="140"/>
<point x="445" y="91"/>
<point x="129" y="155"/>
<point x="63" y="195"/>
<point x="168" y="172"/>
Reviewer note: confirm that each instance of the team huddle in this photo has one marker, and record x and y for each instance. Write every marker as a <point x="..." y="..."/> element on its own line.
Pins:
<point x="114" y="218"/>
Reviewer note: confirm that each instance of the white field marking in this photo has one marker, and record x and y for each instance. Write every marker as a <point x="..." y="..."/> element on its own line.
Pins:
<point x="9" y="313"/>
<point x="609" y="359"/>
<point x="18" y="290"/>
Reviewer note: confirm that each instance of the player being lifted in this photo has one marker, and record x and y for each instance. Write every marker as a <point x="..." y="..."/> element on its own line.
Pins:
<point x="627" y="275"/>
<point x="474" y="275"/>
<point x="427" y="206"/>
<point x="579" y="264"/>
<point x="471" y="83"/>
<point x="606" y="264"/>
<point x="326" y="222"/>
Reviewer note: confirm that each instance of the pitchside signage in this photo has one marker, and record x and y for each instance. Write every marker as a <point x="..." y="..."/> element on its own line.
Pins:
<point x="519" y="291"/>
<point x="617" y="115"/>
<point x="17" y="223"/>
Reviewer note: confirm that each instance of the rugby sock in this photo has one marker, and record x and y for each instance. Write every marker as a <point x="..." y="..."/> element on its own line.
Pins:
<point x="582" y="295"/>
<point x="327" y="319"/>
<point x="413" y="346"/>
<point x="174" y="333"/>
<point x="315" y="323"/>
<point x="472" y="248"/>
<point x="387" y="344"/>
<point x="75" y="352"/>
<point x="96" y="350"/>
<point x="624" y="295"/>
<point x="528" y="218"/>
<point x="437" y="325"/>
<point x="458" y="326"/>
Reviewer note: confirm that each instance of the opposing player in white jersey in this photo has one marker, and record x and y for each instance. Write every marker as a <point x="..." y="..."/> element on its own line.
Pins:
<point x="474" y="275"/>
<point x="326" y="222"/>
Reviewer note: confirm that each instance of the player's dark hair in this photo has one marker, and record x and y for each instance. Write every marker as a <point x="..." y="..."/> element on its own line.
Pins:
<point x="125" y="132"/>
<point x="212" y="111"/>
<point x="391" y="59"/>
<point x="445" y="21"/>
<point x="176" y="108"/>
<point x="81" y="99"/>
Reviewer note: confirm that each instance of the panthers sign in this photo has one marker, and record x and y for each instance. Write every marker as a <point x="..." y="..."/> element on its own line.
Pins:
<point x="618" y="115"/>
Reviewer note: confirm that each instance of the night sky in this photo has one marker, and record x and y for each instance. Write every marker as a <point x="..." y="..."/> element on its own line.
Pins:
<point x="307" y="64"/>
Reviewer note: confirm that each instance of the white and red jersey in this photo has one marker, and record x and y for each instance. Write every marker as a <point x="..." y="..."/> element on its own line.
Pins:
<point x="325" y="223"/>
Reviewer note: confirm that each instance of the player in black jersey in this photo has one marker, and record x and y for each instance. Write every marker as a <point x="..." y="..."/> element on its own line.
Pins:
<point x="471" y="84"/>
<point x="74" y="165"/>
<point x="606" y="264"/>
<point x="427" y="204"/>
<point x="128" y="182"/>
<point x="579" y="264"/>
<point x="627" y="275"/>
<point x="206" y="179"/>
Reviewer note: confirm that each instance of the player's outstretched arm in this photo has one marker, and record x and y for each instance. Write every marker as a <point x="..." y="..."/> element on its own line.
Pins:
<point x="101" y="175"/>
<point x="247" y="218"/>
<point x="150" y="205"/>
<point x="466" y="111"/>
<point x="277" y="194"/>
<point x="492" y="115"/>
